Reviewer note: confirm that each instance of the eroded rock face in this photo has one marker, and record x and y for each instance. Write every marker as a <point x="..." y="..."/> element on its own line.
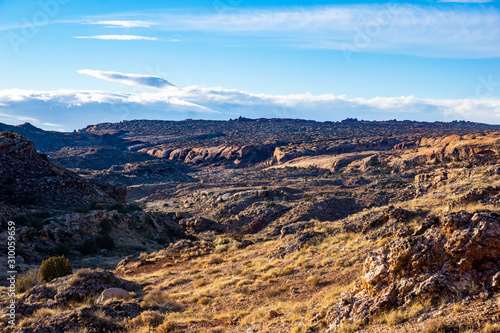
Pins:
<point x="436" y="259"/>
<point x="218" y="154"/>
<point x="29" y="178"/>
<point x="73" y="230"/>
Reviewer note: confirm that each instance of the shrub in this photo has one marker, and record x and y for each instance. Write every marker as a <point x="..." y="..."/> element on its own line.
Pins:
<point x="106" y="226"/>
<point x="491" y="328"/>
<point x="98" y="206"/>
<point x="106" y="242"/>
<point x="27" y="281"/>
<point x="299" y="329"/>
<point x="54" y="267"/>
<point x="157" y="299"/>
<point x="89" y="246"/>
<point x="166" y="327"/>
<point x="204" y="300"/>
<point x="200" y="283"/>
<point x="215" y="261"/>
<point x="313" y="280"/>
<point x="147" y="318"/>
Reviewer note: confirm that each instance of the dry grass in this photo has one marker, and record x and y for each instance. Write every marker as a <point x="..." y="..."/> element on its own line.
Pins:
<point x="398" y="316"/>
<point x="167" y="327"/>
<point x="313" y="280"/>
<point x="147" y="318"/>
<point x="491" y="328"/>
<point x="349" y="327"/>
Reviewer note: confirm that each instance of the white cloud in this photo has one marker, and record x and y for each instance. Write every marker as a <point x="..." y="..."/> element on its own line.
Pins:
<point x="17" y="117"/>
<point x="320" y="107"/>
<point x="117" y="37"/>
<point x="130" y="79"/>
<point x="77" y="108"/>
<point x="122" y="24"/>
<point x="52" y="125"/>
<point x="467" y="1"/>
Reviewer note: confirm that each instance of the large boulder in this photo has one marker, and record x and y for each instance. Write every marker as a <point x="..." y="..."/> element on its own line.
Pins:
<point x="436" y="259"/>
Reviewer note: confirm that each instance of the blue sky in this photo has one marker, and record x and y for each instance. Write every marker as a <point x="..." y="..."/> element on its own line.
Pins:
<point x="65" y="64"/>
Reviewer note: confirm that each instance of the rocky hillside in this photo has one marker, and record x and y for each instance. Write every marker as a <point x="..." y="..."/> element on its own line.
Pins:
<point x="58" y="212"/>
<point x="30" y="179"/>
<point x="270" y="226"/>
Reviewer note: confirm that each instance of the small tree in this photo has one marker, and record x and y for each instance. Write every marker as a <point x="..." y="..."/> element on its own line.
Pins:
<point x="54" y="267"/>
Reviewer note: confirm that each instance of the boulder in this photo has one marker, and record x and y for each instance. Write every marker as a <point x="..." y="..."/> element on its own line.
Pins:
<point x="113" y="293"/>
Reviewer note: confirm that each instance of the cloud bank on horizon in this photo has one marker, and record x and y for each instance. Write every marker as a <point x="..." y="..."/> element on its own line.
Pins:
<point x="72" y="109"/>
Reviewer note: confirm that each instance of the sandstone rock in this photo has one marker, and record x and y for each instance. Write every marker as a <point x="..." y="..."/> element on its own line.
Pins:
<point x="436" y="259"/>
<point x="110" y="293"/>
<point x="495" y="282"/>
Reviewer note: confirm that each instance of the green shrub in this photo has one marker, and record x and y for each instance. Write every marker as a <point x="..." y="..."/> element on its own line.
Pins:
<point x="106" y="226"/>
<point x="106" y="242"/>
<point x="99" y="206"/>
<point x="89" y="246"/>
<point x="54" y="267"/>
<point x="27" y="281"/>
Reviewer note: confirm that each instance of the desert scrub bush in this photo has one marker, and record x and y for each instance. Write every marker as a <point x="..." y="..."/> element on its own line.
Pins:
<point x="54" y="267"/>
<point x="440" y="326"/>
<point x="88" y="246"/>
<point x="204" y="300"/>
<point x="273" y="292"/>
<point x="397" y="316"/>
<point x="299" y="329"/>
<point x="159" y="300"/>
<point x="349" y="327"/>
<point x="276" y="272"/>
<point x="147" y="318"/>
<point x="38" y="315"/>
<point x="457" y="308"/>
<point x="222" y="241"/>
<point x="313" y="280"/>
<point x="167" y="327"/>
<point x="255" y="316"/>
<point x="178" y="282"/>
<point x="491" y="328"/>
<point x="27" y="281"/>
<point x="200" y="283"/>
<point x="221" y="248"/>
<point x="215" y="260"/>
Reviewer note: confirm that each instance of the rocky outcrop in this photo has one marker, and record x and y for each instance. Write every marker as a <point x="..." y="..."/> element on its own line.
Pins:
<point x="148" y="172"/>
<point x="238" y="155"/>
<point x="201" y="224"/>
<point x="29" y="178"/>
<point x="438" y="258"/>
<point x="94" y="232"/>
<point x="456" y="148"/>
<point x="110" y="293"/>
<point x="77" y="287"/>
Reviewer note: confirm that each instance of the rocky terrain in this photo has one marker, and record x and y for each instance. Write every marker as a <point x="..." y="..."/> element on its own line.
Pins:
<point x="267" y="225"/>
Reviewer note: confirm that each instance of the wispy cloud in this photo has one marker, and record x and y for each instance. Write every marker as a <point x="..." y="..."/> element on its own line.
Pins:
<point x="17" y="117"/>
<point x="130" y="79"/>
<point x="117" y="37"/>
<point x="122" y="24"/>
<point x="467" y="1"/>
<point x="435" y="30"/>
